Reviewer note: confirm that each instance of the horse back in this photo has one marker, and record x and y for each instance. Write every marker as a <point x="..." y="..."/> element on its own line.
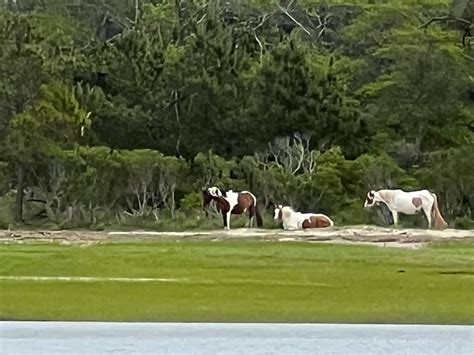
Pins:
<point x="317" y="221"/>
<point x="246" y="199"/>
<point x="410" y="202"/>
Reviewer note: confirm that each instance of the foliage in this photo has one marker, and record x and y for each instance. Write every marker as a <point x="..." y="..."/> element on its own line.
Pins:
<point x="122" y="113"/>
<point x="451" y="175"/>
<point x="53" y="123"/>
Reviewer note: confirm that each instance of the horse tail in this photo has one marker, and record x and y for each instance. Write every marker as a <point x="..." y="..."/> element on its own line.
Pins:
<point x="331" y="222"/>
<point x="328" y="221"/>
<point x="256" y="210"/>
<point x="258" y="215"/>
<point x="438" y="220"/>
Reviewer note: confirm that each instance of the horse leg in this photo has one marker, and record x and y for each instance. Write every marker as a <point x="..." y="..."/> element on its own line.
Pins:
<point x="224" y="218"/>
<point x="427" y="212"/>
<point x="395" y="217"/>
<point x="251" y="216"/>
<point x="227" y="216"/>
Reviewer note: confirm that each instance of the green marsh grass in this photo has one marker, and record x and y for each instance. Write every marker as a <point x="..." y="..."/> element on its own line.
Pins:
<point x="241" y="282"/>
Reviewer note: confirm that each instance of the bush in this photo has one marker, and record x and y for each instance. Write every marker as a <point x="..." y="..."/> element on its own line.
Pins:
<point x="6" y="210"/>
<point x="464" y="223"/>
<point x="353" y="213"/>
<point x="190" y="201"/>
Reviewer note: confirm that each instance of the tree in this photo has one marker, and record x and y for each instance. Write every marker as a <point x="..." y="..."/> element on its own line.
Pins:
<point x="461" y="17"/>
<point x="297" y="91"/>
<point x="419" y="94"/>
<point x="52" y="123"/>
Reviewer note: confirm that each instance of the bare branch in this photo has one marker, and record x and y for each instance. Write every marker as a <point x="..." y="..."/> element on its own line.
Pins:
<point x="202" y="18"/>
<point x="178" y="120"/>
<point x="260" y="24"/>
<point x="285" y="11"/>
<point x="299" y="150"/>
<point x="262" y="21"/>
<point x="137" y="11"/>
<point x="444" y="18"/>
<point x="261" y="47"/>
<point x="467" y="29"/>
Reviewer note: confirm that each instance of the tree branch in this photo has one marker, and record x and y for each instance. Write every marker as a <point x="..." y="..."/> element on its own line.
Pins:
<point x="285" y="11"/>
<point x="260" y="45"/>
<point x="260" y="24"/>
<point x="444" y="18"/>
<point x="137" y="11"/>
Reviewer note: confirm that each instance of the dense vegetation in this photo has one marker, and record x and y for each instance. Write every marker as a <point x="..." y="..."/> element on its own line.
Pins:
<point x="123" y="112"/>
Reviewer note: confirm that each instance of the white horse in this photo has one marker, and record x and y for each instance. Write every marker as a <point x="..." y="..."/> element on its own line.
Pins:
<point x="297" y="220"/>
<point x="399" y="201"/>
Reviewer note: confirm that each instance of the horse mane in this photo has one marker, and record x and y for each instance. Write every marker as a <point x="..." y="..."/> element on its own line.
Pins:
<point x="286" y="210"/>
<point x="386" y="195"/>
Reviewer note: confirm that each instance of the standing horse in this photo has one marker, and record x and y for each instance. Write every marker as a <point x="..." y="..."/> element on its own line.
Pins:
<point x="399" y="201"/>
<point x="232" y="202"/>
<point x="298" y="220"/>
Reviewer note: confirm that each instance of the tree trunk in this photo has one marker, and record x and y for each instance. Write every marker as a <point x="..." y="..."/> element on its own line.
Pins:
<point x="91" y="213"/>
<point x="173" y="204"/>
<point x="20" y="187"/>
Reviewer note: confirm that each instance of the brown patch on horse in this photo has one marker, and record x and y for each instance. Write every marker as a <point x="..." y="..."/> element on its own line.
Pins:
<point x="238" y="209"/>
<point x="316" y="222"/>
<point x="244" y="202"/>
<point x="417" y="201"/>
<point x="222" y="204"/>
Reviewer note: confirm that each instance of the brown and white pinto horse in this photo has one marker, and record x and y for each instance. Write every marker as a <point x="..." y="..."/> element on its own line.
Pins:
<point x="297" y="220"/>
<point x="399" y="201"/>
<point x="233" y="202"/>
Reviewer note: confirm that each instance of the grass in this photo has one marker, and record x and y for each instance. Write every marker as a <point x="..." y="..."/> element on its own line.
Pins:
<point x="241" y="281"/>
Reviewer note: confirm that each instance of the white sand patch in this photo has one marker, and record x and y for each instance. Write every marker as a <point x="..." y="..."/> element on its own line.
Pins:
<point x="361" y="234"/>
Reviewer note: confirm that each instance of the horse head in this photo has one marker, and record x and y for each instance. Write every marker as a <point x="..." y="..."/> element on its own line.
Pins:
<point x="278" y="209"/>
<point x="208" y="195"/>
<point x="371" y="198"/>
<point x="206" y="198"/>
<point x="215" y="192"/>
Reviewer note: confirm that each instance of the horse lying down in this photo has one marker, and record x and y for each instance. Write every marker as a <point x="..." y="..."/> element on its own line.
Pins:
<point x="297" y="220"/>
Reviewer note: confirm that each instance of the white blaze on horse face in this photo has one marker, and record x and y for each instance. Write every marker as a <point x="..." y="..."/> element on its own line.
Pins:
<point x="214" y="191"/>
<point x="370" y="199"/>
<point x="277" y="212"/>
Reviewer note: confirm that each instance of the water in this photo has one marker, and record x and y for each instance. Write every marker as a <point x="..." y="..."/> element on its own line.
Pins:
<point x="232" y="338"/>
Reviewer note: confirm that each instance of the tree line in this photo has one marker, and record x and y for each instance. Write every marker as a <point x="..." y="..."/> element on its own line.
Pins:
<point x="119" y="111"/>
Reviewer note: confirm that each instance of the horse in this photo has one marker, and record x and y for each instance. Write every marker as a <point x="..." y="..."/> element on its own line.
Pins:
<point x="233" y="202"/>
<point x="399" y="201"/>
<point x="297" y="220"/>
